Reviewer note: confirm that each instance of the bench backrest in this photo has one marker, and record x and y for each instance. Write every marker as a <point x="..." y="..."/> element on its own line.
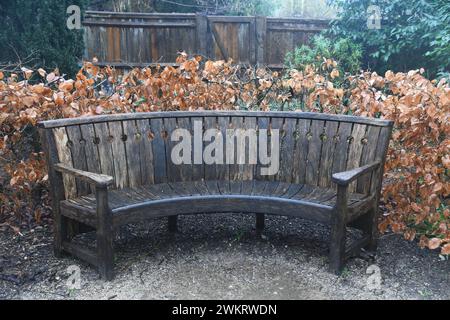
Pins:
<point x="136" y="148"/>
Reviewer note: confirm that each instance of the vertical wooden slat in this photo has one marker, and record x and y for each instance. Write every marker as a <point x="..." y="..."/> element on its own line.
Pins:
<point x="263" y="124"/>
<point x="314" y="150"/>
<point x="301" y="150"/>
<point x="287" y="150"/>
<point x="91" y="149"/>
<point x="186" y="169"/>
<point x="105" y="149"/>
<point x="110" y="44"/>
<point x="261" y="30"/>
<point x="77" y="149"/>
<point x="252" y="41"/>
<point x="250" y="147"/>
<point x="159" y="151"/>
<point x="201" y="35"/>
<point x="198" y="169"/>
<point x="328" y="149"/>
<point x="368" y="155"/>
<point x="116" y="38"/>
<point x="355" y="150"/>
<point x="342" y="144"/>
<point x="132" y="143"/>
<point x="223" y="170"/>
<point x="380" y="154"/>
<point x="65" y="156"/>
<point x="236" y="170"/>
<point x="146" y="158"/>
<point x="119" y="154"/>
<point x="277" y="124"/>
<point x="210" y="169"/>
<point x="173" y="170"/>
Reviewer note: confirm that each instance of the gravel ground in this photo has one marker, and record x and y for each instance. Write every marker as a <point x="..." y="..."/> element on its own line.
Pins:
<point x="221" y="257"/>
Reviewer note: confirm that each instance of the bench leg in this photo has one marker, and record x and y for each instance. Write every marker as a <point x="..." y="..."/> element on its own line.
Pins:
<point x="105" y="236"/>
<point x="259" y="223"/>
<point x="105" y="254"/>
<point x="173" y="221"/>
<point x="338" y="232"/>
<point x="337" y="248"/>
<point x="60" y="228"/>
<point x="372" y="228"/>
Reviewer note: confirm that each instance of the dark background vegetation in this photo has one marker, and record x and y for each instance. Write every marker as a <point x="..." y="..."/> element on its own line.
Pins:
<point x="413" y="34"/>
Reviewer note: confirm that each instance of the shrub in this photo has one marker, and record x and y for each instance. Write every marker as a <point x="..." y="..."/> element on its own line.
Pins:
<point x="413" y="34"/>
<point x="35" y="32"/>
<point x="416" y="188"/>
<point x="347" y="54"/>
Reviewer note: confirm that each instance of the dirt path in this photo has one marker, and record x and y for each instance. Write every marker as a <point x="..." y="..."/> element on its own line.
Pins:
<point x="221" y="257"/>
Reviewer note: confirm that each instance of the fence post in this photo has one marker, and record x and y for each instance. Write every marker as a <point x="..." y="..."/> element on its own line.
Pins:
<point x="201" y="20"/>
<point x="261" y="29"/>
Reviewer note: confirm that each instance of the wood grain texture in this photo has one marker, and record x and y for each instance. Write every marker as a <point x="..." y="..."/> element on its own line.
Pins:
<point x="65" y="156"/>
<point x="93" y="178"/>
<point x="119" y="154"/>
<point x="77" y="148"/>
<point x="327" y="154"/>
<point x="356" y="149"/>
<point x="210" y="113"/>
<point x="314" y="152"/>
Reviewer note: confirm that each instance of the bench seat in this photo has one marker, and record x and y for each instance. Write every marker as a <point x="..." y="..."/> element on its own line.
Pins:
<point x="166" y="199"/>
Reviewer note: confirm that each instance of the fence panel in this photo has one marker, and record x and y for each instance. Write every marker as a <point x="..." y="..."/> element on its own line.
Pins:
<point x="126" y="40"/>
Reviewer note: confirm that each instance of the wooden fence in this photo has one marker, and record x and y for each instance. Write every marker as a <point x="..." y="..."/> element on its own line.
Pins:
<point x="126" y="40"/>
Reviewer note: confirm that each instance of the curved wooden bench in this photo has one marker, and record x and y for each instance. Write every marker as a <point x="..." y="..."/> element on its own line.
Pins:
<point x="106" y="171"/>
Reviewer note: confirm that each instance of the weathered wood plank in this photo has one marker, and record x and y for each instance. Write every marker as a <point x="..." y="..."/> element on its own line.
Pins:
<point x="251" y="148"/>
<point x="355" y="150"/>
<point x="104" y="149"/>
<point x="119" y="154"/>
<point x="287" y="150"/>
<point x="301" y="142"/>
<point x="173" y="169"/>
<point x="314" y="152"/>
<point x="132" y="143"/>
<point x="223" y="170"/>
<point x="91" y="148"/>
<point x="65" y="156"/>
<point x="146" y="162"/>
<point x="327" y="155"/>
<point x="368" y="156"/>
<point x="77" y="149"/>
<point x="263" y="129"/>
<point x="235" y="154"/>
<point x="160" y="137"/>
<point x="276" y="130"/>
<point x="198" y="168"/>
<point x="186" y="168"/>
<point x="213" y="140"/>
<point x="216" y="113"/>
<point x="342" y="146"/>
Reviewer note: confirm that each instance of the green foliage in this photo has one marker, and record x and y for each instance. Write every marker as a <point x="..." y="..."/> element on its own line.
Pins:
<point x="347" y="54"/>
<point x="37" y="30"/>
<point x="439" y="34"/>
<point x="413" y="34"/>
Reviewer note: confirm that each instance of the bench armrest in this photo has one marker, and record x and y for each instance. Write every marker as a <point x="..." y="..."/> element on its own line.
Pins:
<point x="346" y="177"/>
<point x="99" y="180"/>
